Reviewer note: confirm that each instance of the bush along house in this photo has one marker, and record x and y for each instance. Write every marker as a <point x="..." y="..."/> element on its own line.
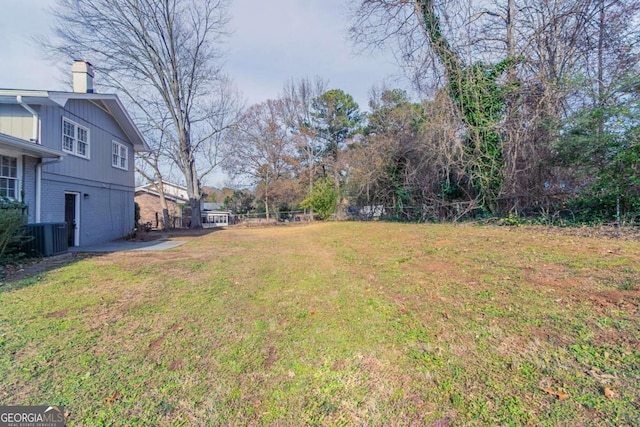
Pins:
<point x="69" y="157"/>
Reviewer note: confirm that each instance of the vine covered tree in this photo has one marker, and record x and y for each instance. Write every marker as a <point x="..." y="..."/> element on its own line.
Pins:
<point x="515" y="72"/>
<point x="475" y="88"/>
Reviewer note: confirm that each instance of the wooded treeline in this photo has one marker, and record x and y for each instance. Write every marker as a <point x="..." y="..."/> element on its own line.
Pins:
<point x="522" y="107"/>
<point x="529" y="108"/>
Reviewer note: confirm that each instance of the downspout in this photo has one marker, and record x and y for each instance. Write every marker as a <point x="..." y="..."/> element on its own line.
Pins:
<point x="36" y="119"/>
<point x="38" y="189"/>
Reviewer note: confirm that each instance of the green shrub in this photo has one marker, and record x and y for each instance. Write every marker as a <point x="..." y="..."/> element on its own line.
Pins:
<point x="323" y="199"/>
<point x="593" y="208"/>
<point x="12" y="219"/>
<point x="511" y="220"/>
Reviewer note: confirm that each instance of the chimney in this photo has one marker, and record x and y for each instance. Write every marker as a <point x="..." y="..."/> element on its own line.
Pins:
<point x="82" y="73"/>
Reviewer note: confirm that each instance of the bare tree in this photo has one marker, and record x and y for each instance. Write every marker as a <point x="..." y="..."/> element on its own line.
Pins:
<point x="550" y="43"/>
<point x="165" y="57"/>
<point x="262" y="148"/>
<point x="298" y="97"/>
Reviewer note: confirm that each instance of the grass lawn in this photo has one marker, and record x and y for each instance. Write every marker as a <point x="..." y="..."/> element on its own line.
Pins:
<point x="334" y="324"/>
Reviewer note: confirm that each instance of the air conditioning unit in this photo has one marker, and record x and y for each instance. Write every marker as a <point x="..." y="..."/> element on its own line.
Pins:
<point x="45" y="239"/>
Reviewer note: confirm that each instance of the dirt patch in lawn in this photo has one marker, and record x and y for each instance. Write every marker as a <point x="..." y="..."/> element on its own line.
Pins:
<point x="615" y="299"/>
<point x="157" y="343"/>
<point x="604" y="231"/>
<point x="13" y="273"/>
<point x="57" y="314"/>
<point x="271" y="357"/>
<point x="432" y="266"/>
<point x="176" y="365"/>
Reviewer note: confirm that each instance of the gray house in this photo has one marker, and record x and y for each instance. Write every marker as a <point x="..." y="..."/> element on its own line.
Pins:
<point x="69" y="156"/>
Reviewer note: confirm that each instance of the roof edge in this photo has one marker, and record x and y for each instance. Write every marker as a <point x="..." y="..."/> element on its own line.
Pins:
<point x="61" y="98"/>
<point x="29" y="148"/>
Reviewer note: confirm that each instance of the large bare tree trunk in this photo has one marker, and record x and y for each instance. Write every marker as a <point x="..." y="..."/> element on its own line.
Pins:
<point x="152" y="159"/>
<point x="166" y="220"/>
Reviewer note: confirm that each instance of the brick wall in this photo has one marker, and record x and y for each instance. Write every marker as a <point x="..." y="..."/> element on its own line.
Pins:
<point x="150" y="206"/>
<point x="52" y="202"/>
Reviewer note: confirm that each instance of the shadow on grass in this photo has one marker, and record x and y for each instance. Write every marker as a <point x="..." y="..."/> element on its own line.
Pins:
<point x="33" y="271"/>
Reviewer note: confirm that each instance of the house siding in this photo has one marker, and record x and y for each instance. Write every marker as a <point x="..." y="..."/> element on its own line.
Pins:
<point x="52" y="209"/>
<point x="105" y="213"/>
<point x="108" y="211"/>
<point x="16" y="121"/>
<point x="106" y="193"/>
<point x="103" y="130"/>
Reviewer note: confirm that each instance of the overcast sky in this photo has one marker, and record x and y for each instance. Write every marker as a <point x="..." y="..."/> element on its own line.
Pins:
<point x="272" y="42"/>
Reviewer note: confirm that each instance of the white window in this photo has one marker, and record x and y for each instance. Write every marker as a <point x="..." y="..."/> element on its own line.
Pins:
<point x="75" y="139"/>
<point x="119" y="156"/>
<point x="9" y="177"/>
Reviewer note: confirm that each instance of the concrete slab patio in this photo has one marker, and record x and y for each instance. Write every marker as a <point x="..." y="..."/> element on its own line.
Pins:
<point x="155" y="245"/>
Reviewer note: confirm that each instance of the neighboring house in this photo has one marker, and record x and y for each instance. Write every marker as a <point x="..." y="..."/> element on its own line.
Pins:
<point x="148" y="198"/>
<point x="214" y="216"/>
<point x="69" y="156"/>
<point x="212" y="206"/>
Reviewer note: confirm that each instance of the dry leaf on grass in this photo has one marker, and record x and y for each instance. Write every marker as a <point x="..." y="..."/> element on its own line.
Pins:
<point x="610" y="393"/>
<point x="559" y="394"/>
<point x="109" y="400"/>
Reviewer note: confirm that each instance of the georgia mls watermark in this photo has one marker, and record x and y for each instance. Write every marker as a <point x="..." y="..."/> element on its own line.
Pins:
<point x="32" y="416"/>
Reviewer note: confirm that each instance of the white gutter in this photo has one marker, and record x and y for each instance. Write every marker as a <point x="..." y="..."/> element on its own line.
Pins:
<point x="36" y="119"/>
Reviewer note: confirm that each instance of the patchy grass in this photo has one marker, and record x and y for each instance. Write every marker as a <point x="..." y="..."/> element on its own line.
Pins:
<point x="334" y="324"/>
